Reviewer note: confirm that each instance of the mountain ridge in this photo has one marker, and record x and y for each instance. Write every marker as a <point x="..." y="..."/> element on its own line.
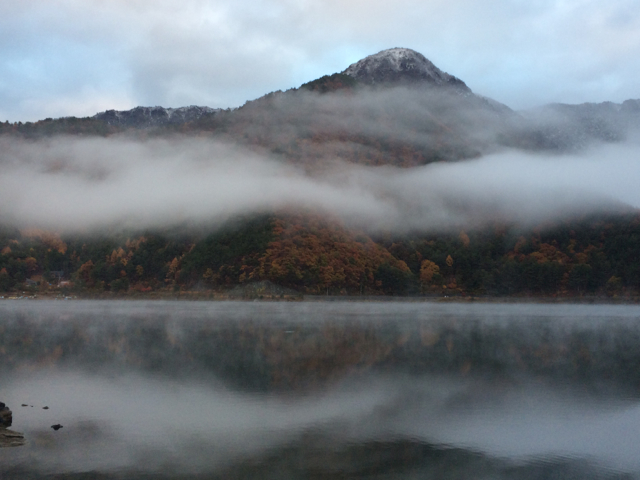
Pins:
<point x="394" y="107"/>
<point x="154" y="116"/>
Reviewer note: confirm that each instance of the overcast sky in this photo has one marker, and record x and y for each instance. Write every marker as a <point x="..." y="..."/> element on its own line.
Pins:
<point x="78" y="57"/>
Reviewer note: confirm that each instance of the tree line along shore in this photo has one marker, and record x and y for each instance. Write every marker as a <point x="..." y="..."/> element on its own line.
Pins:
<point x="291" y="256"/>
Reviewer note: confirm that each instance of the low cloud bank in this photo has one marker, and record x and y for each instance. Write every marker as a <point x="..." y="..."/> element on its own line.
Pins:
<point x="81" y="185"/>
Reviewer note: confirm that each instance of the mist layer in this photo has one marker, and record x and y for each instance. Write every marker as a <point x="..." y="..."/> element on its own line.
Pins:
<point x="72" y="185"/>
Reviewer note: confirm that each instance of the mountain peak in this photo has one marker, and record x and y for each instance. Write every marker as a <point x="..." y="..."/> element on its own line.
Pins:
<point x="401" y="65"/>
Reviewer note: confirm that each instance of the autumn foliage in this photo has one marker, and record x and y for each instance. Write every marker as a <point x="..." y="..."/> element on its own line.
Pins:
<point x="321" y="256"/>
<point x="312" y="254"/>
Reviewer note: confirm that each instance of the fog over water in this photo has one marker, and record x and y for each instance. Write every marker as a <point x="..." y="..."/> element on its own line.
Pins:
<point x="71" y="184"/>
<point x="508" y="390"/>
<point x="133" y="422"/>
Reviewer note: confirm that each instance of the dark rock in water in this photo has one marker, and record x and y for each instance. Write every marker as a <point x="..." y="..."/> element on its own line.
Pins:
<point x="56" y="427"/>
<point x="6" y="417"/>
<point x="8" y="438"/>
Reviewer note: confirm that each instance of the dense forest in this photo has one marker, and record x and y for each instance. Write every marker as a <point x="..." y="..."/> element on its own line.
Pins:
<point x="309" y="254"/>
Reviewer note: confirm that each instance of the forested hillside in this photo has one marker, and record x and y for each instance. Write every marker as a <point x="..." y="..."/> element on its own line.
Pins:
<point x="313" y="255"/>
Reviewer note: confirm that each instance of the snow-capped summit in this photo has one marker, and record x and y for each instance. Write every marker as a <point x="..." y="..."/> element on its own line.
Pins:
<point x="401" y="65"/>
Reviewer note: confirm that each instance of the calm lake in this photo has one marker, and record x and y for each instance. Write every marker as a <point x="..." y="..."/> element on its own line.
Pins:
<point x="321" y="390"/>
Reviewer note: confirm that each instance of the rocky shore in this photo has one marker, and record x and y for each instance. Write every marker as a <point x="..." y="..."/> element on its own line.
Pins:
<point x="8" y="438"/>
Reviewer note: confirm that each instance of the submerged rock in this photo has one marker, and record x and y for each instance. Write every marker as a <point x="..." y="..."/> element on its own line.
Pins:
<point x="6" y="416"/>
<point x="8" y="438"/>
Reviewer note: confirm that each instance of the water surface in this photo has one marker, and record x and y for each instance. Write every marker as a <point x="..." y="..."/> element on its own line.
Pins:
<point x="321" y="390"/>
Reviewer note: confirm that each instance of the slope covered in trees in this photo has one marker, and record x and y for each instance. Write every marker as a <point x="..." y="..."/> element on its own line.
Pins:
<point x="314" y="255"/>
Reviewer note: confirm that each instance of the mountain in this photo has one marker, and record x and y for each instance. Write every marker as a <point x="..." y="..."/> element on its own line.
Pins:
<point x="391" y="108"/>
<point x="402" y="66"/>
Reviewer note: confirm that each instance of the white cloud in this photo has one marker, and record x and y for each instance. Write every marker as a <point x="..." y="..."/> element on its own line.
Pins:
<point x="86" y="184"/>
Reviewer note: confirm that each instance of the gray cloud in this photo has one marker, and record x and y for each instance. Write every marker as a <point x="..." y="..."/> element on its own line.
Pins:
<point x="71" y="184"/>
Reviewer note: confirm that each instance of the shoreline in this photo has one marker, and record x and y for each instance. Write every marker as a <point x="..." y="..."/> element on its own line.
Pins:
<point x="224" y="297"/>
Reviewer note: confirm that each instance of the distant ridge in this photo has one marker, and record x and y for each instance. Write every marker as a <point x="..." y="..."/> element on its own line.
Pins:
<point x="154" y="116"/>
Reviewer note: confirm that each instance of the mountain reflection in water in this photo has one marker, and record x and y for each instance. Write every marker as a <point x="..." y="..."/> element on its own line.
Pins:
<point x="321" y="390"/>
